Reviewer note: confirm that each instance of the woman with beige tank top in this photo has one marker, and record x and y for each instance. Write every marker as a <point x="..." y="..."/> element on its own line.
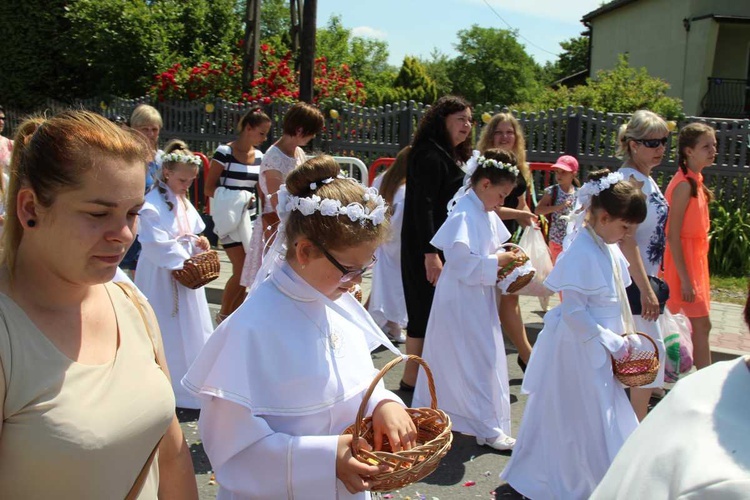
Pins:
<point x="87" y="407"/>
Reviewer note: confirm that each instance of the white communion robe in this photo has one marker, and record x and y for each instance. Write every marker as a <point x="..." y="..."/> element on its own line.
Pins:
<point x="387" y="302"/>
<point x="577" y="416"/>
<point x="695" y="444"/>
<point x="464" y="343"/>
<point x="281" y="379"/>
<point x="167" y="239"/>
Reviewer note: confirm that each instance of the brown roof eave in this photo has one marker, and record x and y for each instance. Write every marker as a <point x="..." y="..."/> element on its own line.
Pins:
<point x="616" y="4"/>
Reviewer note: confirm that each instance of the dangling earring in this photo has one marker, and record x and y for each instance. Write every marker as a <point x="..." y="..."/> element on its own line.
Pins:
<point x="31" y="223"/>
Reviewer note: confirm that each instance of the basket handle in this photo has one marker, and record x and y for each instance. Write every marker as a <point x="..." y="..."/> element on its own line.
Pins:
<point x="514" y="247"/>
<point x="378" y="378"/>
<point x="648" y="337"/>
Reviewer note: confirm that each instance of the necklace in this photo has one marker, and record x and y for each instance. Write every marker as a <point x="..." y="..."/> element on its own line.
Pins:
<point x="332" y="338"/>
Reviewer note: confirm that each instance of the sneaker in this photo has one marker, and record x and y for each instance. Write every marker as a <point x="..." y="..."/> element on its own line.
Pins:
<point x="500" y="443"/>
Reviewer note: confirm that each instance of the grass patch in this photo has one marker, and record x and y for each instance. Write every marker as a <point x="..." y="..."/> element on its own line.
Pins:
<point x="729" y="289"/>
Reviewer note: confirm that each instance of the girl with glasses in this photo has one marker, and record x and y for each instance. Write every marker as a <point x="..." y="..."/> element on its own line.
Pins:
<point x="284" y="375"/>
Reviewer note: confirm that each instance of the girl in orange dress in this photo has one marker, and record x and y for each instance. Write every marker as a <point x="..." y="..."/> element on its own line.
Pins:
<point x="686" y="256"/>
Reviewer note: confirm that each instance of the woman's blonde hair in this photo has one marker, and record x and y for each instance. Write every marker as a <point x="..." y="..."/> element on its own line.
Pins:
<point x="486" y="141"/>
<point x="143" y="115"/>
<point x="642" y="124"/>
<point x="331" y="232"/>
<point x="52" y="154"/>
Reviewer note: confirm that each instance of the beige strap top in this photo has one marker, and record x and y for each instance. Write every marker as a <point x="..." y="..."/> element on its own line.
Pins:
<point x="74" y="431"/>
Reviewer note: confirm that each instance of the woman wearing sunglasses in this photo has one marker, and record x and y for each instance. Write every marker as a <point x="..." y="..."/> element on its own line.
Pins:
<point x="641" y="145"/>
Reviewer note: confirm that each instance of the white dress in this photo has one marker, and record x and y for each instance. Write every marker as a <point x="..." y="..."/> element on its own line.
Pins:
<point x="702" y="429"/>
<point x="274" y="159"/>
<point x="577" y="416"/>
<point x="464" y="342"/>
<point x="183" y="314"/>
<point x="281" y="378"/>
<point x="651" y="239"/>
<point x="387" y="302"/>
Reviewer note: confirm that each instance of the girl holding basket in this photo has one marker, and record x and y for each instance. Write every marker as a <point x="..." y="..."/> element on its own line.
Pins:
<point x="464" y="345"/>
<point x="285" y="374"/>
<point x="577" y="416"/>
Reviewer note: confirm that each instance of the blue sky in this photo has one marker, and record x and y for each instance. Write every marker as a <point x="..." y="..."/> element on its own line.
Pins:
<point x="415" y="27"/>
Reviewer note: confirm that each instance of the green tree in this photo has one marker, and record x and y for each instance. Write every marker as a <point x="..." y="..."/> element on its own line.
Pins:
<point x="275" y="24"/>
<point x="493" y="67"/>
<point x="573" y="59"/>
<point x="623" y="89"/>
<point x="31" y="56"/>
<point x="438" y="68"/>
<point x="366" y="58"/>
<point x="413" y="83"/>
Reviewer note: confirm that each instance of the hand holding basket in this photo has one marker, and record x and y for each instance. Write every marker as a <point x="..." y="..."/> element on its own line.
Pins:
<point x="517" y="274"/>
<point x="639" y="367"/>
<point x="199" y="270"/>
<point x="406" y="466"/>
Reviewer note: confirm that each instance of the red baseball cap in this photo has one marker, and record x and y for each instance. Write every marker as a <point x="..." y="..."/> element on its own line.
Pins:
<point x="567" y="163"/>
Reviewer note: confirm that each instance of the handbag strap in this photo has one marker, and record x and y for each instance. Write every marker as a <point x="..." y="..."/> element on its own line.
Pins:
<point x="135" y="490"/>
<point x="627" y="315"/>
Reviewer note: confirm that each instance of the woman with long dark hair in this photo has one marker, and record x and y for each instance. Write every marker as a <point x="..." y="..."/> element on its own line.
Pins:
<point x="441" y="145"/>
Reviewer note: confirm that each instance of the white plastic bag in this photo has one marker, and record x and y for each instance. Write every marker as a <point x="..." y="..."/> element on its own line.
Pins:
<point x="532" y="241"/>
<point x="678" y="343"/>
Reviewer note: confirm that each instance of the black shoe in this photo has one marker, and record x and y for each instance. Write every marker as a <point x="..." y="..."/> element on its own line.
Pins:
<point x="521" y="364"/>
<point x="404" y="387"/>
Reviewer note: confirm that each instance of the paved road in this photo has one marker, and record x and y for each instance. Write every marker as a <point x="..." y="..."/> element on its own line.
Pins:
<point x="469" y="471"/>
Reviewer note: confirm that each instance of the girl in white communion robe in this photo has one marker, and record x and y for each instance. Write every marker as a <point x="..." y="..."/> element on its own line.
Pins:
<point x="577" y="416"/>
<point x="464" y="343"/>
<point x="285" y="374"/>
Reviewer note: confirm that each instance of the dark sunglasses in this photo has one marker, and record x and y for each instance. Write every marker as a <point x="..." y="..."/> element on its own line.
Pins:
<point x="348" y="274"/>
<point x="653" y="143"/>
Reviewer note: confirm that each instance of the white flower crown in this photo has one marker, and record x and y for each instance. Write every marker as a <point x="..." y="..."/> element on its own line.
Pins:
<point x="333" y="208"/>
<point x="477" y="160"/>
<point x="593" y="188"/>
<point x="177" y="157"/>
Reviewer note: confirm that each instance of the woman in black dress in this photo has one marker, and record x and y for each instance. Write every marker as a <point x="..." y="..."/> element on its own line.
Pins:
<point x="504" y="132"/>
<point x="442" y="143"/>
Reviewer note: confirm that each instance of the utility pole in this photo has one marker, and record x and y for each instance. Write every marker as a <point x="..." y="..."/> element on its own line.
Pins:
<point x="252" y="42"/>
<point x="295" y="12"/>
<point x="307" y="41"/>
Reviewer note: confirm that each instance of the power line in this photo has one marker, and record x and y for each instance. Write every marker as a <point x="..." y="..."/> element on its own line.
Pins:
<point x="517" y="31"/>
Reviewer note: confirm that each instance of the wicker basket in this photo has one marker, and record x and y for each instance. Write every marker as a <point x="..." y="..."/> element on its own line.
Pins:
<point x="199" y="270"/>
<point x="640" y="368"/>
<point x="407" y="466"/>
<point x="520" y="281"/>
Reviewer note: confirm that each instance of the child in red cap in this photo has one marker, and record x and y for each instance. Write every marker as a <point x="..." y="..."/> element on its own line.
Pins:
<point x="559" y="201"/>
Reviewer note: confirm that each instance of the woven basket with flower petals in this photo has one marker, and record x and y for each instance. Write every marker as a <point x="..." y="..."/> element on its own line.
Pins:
<point x="199" y="270"/>
<point x="504" y="273"/>
<point x="434" y="439"/>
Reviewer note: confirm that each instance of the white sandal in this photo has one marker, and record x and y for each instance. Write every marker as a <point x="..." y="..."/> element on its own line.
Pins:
<point x="500" y="443"/>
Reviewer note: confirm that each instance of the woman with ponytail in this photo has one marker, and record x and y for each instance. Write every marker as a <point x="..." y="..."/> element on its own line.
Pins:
<point x="85" y="397"/>
<point x="169" y="233"/>
<point x="686" y="258"/>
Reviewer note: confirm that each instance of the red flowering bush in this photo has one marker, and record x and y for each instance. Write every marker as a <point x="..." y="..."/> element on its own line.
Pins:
<point x="275" y="80"/>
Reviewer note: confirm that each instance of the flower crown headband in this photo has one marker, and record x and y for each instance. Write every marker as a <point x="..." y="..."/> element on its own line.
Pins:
<point x="178" y="157"/>
<point x="333" y="208"/>
<point x="594" y="188"/>
<point x="477" y="160"/>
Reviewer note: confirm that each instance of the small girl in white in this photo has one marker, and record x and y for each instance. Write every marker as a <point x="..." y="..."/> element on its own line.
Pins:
<point x="577" y="416"/>
<point x="169" y="229"/>
<point x="284" y="375"/>
<point x="464" y="342"/>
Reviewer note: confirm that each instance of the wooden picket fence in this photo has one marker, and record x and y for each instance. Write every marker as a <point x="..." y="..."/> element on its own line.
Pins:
<point x="369" y="133"/>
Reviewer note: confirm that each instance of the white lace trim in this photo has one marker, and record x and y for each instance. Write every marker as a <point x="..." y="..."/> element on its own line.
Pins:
<point x="514" y="275"/>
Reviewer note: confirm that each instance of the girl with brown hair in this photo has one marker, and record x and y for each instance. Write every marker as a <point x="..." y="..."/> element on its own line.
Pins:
<point x="686" y="258"/>
<point x="285" y="374"/>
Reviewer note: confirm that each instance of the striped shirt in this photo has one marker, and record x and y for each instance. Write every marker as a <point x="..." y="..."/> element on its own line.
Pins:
<point x="237" y="175"/>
